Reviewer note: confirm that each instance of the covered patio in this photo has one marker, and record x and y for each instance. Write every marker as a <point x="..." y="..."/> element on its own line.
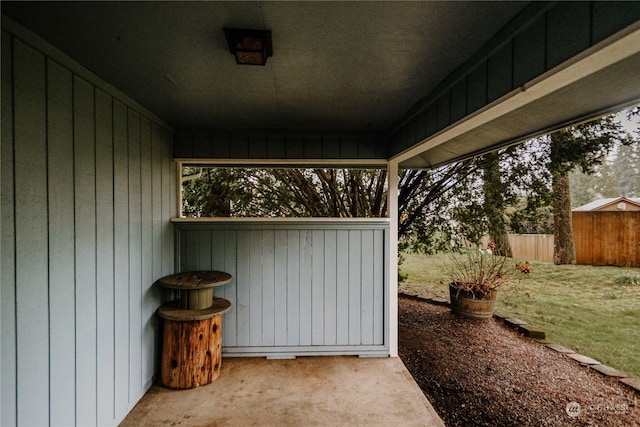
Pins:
<point x="102" y="102"/>
<point x="309" y="391"/>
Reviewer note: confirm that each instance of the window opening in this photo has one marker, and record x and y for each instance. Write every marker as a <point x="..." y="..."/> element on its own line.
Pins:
<point x="290" y="192"/>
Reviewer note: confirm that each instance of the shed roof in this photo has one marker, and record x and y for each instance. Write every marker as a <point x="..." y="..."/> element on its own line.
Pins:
<point x="601" y="203"/>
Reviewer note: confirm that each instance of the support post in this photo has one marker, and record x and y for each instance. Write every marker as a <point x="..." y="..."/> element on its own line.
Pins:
<point x="393" y="257"/>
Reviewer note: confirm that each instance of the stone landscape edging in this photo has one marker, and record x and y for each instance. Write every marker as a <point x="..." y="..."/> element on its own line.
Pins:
<point x="538" y="335"/>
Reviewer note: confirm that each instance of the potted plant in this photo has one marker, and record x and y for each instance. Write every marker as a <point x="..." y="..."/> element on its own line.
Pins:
<point x="475" y="277"/>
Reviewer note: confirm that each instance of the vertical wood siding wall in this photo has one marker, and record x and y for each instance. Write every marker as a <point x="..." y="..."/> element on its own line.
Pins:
<point x="607" y="238"/>
<point x="207" y="144"/>
<point x="87" y="192"/>
<point x="299" y="288"/>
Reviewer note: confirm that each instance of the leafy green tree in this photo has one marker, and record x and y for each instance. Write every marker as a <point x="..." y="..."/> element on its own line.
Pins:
<point x="585" y="146"/>
<point x="526" y="184"/>
<point x="528" y="218"/>
<point x="427" y="204"/>
<point x="338" y="193"/>
<point x="285" y="193"/>
<point x="214" y="192"/>
<point x="494" y="203"/>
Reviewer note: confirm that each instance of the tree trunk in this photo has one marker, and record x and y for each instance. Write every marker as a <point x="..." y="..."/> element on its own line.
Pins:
<point x="564" y="250"/>
<point x="494" y="205"/>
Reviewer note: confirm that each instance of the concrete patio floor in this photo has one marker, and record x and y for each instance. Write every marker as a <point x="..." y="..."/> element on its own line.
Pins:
<point x="308" y="391"/>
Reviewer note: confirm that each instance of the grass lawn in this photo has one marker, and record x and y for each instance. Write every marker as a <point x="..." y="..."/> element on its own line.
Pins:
<point x="580" y="307"/>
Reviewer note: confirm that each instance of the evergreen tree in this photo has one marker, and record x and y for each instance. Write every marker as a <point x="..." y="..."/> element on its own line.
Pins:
<point x="585" y="146"/>
<point x="599" y="184"/>
<point x="527" y="218"/>
<point x="625" y="170"/>
<point x="583" y="188"/>
<point x="494" y="203"/>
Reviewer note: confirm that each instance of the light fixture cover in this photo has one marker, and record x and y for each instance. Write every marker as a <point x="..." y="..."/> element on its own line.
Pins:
<point x="250" y="47"/>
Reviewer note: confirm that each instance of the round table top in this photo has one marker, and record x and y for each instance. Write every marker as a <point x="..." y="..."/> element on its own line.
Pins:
<point x="171" y="312"/>
<point x="195" y="280"/>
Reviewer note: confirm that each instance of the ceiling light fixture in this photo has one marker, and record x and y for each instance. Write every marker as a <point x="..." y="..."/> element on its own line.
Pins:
<point x="250" y="47"/>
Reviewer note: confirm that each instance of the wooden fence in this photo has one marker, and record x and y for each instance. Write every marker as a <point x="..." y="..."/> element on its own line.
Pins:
<point x="529" y="247"/>
<point x="532" y="247"/>
<point x="601" y="238"/>
<point x="607" y="238"/>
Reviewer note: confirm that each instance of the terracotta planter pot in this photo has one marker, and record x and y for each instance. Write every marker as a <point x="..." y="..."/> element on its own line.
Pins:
<point x="472" y="305"/>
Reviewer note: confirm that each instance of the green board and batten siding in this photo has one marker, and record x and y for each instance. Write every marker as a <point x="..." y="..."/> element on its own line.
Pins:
<point x="299" y="287"/>
<point x="88" y="187"/>
<point x="369" y="147"/>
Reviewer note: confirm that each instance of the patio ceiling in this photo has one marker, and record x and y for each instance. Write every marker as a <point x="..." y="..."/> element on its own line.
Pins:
<point x="347" y="67"/>
<point x="336" y="65"/>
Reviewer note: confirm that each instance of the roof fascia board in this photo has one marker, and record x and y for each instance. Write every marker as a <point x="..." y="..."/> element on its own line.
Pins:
<point x="607" y="52"/>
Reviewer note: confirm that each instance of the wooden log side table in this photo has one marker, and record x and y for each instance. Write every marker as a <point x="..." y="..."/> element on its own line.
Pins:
<point x="192" y="333"/>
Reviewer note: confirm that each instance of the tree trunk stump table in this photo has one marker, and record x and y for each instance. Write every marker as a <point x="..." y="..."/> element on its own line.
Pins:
<point x="192" y="333"/>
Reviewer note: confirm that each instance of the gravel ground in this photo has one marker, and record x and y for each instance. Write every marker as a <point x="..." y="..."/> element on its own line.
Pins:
<point x="478" y="373"/>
